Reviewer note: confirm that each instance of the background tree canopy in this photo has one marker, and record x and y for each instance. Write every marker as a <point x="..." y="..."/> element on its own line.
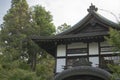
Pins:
<point x="114" y="40"/>
<point x="25" y="60"/>
<point x="62" y="28"/>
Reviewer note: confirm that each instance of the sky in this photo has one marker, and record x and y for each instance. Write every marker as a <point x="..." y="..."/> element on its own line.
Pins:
<point x="70" y="11"/>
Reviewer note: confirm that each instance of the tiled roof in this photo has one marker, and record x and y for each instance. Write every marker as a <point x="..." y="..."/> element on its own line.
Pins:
<point x="70" y="34"/>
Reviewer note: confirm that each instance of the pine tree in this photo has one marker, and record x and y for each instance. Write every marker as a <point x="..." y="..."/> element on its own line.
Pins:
<point x="19" y="23"/>
<point x="14" y="29"/>
<point x="114" y="40"/>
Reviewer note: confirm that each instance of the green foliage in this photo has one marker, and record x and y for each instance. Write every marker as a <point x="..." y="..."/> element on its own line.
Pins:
<point x="114" y="40"/>
<point x="18" y="59"/>
<point x="18" y="74"/>
<point x="62" y="28"/>
<point x="13" y="31"/>
<point x="45" y="69"/>
<point x="116" y="71"/>
<point x="42" y="21"/>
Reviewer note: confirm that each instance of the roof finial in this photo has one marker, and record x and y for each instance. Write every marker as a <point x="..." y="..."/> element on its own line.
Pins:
<point x="92" y="8"/>
<point x="91" y="4"/>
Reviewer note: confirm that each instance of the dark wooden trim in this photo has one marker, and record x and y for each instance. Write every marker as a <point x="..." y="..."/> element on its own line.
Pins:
<point x="55" y="60"/>
<point x="77" y="51"/>
<point x="99" y="53"/>
<point x="88" y="51"/>
<point x="94" y="55"/>
<point x="61" y="57"/>
<point x="66" y="54"/>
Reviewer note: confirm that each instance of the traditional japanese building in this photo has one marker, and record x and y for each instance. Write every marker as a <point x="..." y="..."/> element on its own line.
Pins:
<point x="82" y="45"/>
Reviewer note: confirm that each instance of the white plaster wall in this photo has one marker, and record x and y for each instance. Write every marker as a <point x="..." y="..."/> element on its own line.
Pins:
<point x="93" y="48"/>
<point x="61" y="50"/>
<point x="77" y="54"/>
<point x="60" y="65"/>
<point x="95" y="61"/>
<point x="77" y="45"/>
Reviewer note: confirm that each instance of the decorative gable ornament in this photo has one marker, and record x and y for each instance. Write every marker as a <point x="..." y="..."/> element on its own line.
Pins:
<point x="92" y="8"/>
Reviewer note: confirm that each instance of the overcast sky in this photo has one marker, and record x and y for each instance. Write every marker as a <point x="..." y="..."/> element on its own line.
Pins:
<point x="70" y="11"/>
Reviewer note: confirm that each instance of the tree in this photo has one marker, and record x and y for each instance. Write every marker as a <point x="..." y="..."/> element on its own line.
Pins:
<point x="13" y="31"/>
<point x="19" y="23"/>
<point x="42" y="22"/>
<point x="114" y="40"/>
<point x="62" y="28"/>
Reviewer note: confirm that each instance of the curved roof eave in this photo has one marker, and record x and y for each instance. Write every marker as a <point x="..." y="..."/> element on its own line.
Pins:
<point x="77" y="25"/>
<point x="97" y="16"/>
<point x="80" y="23"/>
<point x="106" y="21"/>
